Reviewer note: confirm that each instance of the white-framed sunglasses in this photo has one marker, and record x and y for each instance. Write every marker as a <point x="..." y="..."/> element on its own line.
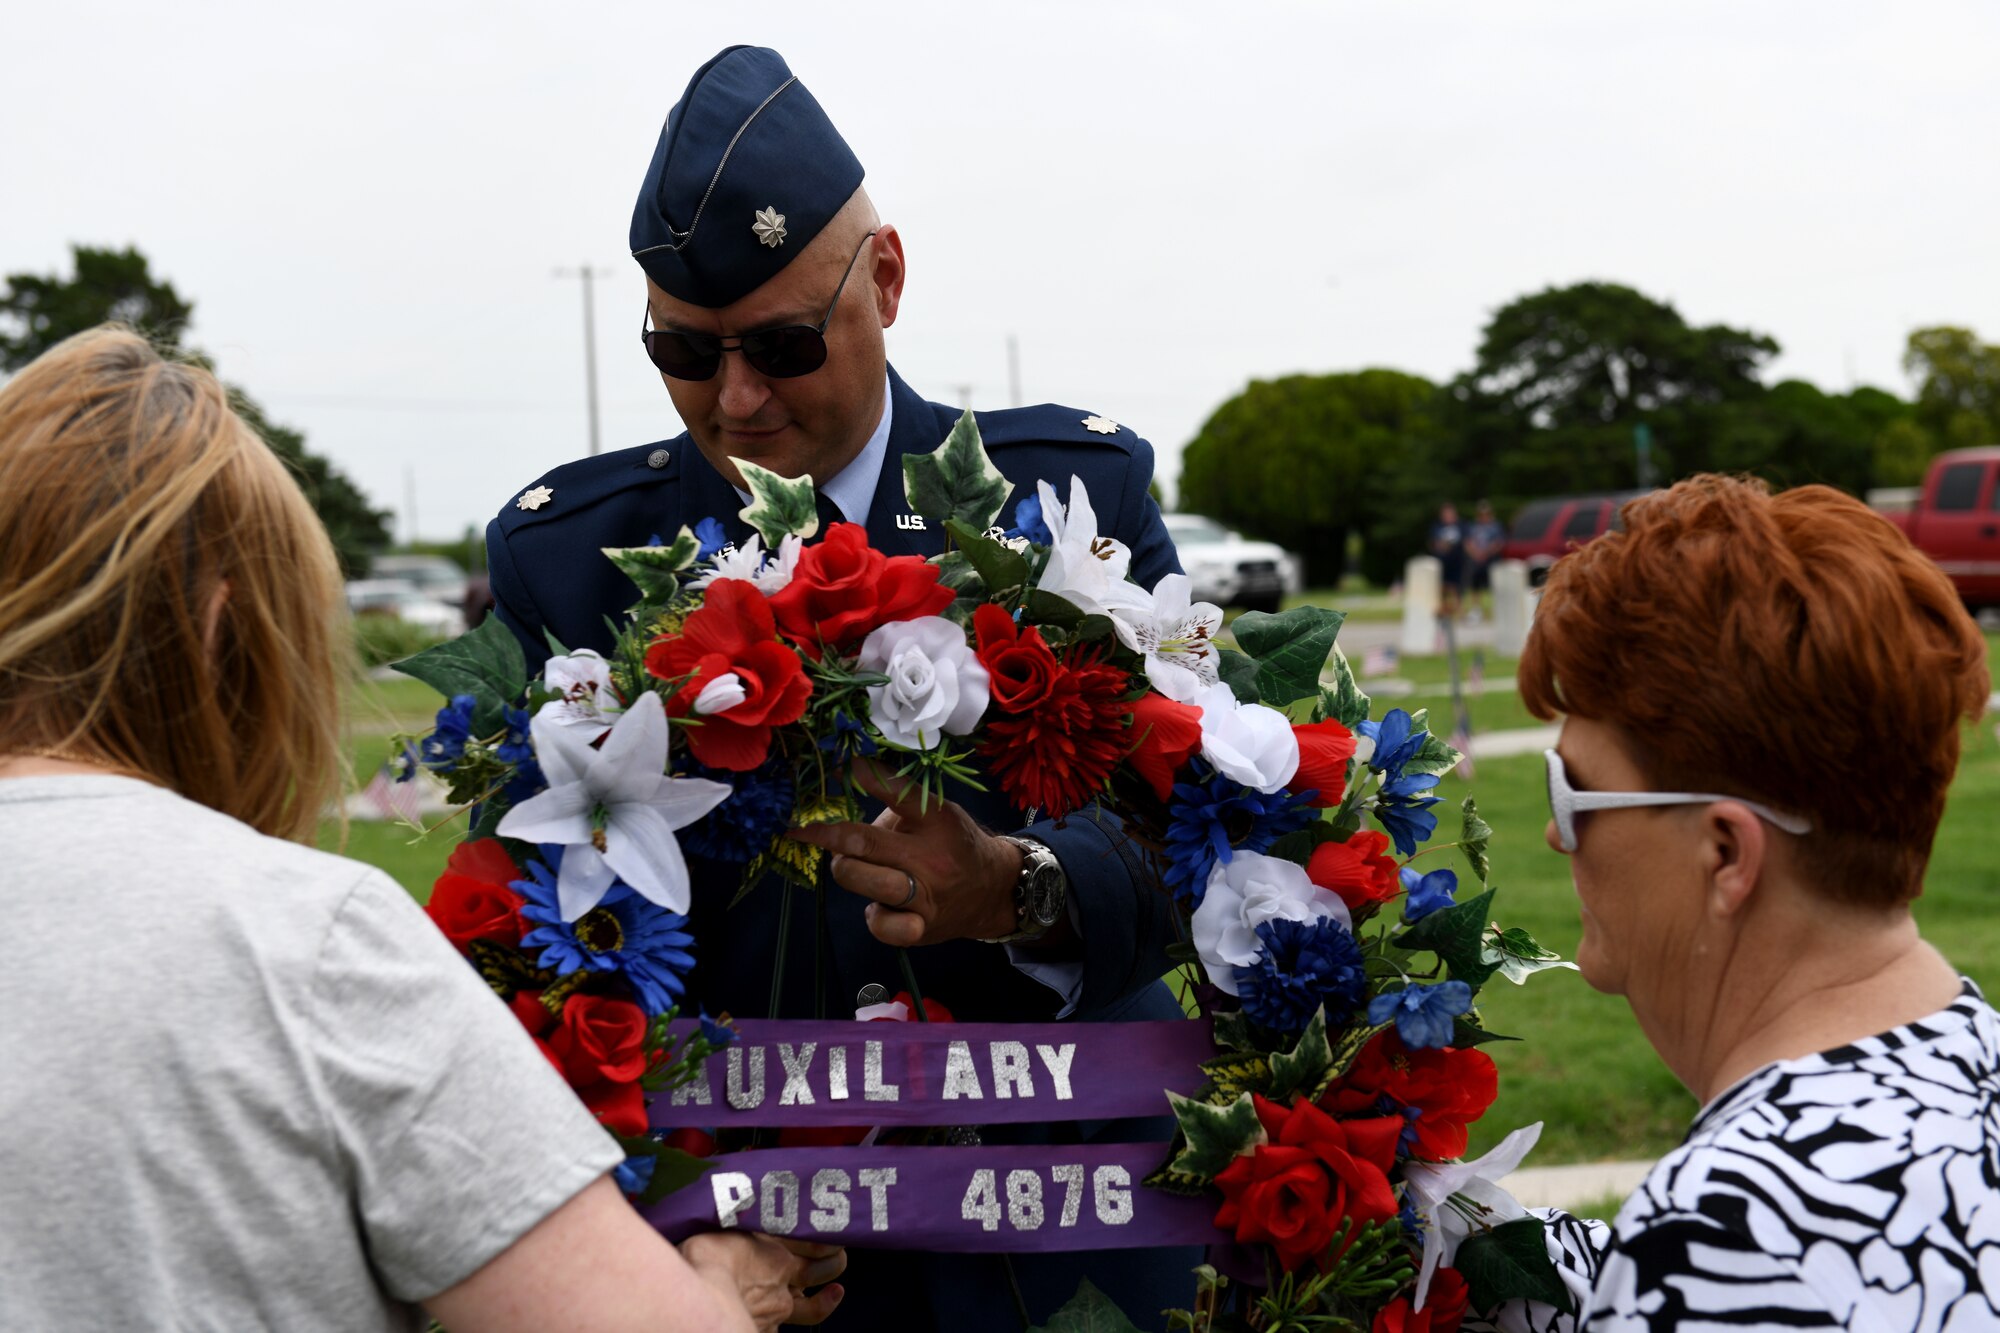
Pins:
<point x="1566" y="802"/>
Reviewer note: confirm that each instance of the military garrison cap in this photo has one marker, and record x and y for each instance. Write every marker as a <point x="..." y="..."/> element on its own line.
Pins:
<point x="747" y="171"/>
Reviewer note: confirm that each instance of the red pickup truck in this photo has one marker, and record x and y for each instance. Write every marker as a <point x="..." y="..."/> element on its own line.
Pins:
<point x="1954" y="518"/>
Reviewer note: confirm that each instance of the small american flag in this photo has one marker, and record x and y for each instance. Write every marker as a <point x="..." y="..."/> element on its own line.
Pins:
<point x="1475" y="675"/>
<point x="1461" y="741"/>
<point x="396" y="800"/>
<point x="1379" y="661"/>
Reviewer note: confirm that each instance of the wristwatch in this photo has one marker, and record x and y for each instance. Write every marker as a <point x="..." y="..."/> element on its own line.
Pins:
<point x="1039" y="894"/>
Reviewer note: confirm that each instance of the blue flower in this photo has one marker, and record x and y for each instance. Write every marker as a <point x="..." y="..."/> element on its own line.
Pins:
<point x="635" y="1173"/>
<point x="624" y="933"/>
<point x="1303" y="966"/>
<point x="717" y="1034"/>
<point x="1411" y="1220"/>
<point x="1213" y="818"/>
<point x="849" y="740"/>
<point x="1403" y="809"/>
<point x="1028" y="522"/>
<point x="1395" y="743"/>
<point x="710" y="533"/>
<point x="742" y="827"/>
<point x="1428" y="893"/>
<point x="519" y="749"/>
<point x="445" y="746"/>
<point x="1422" y="1014"/>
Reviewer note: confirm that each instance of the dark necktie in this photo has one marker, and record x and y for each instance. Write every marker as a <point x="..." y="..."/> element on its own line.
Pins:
<point x="829" y="513"/>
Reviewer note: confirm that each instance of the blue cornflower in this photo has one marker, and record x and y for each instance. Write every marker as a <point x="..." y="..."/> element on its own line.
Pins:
<point x="1028" y="522"/>
<point x="635" y="1173"/>
<point x="849" y="740"/>
<point x="1395" y="743"/>
<point x="1422" y="1014"/>
<point x="718" y="1034"/>
<point x="743" y="826"/>
<point x="624" y="933"/>
<point x="1213" y="818"/>
<point x="1428" y="893"/>
<point x="1303" y="966"/>
<point x="445" y="746"/>
<point x="518" y="749"/>
<point x="1411" y="1220"/>
<point x="712" y="536"/>
<point x="1403" y="809"/>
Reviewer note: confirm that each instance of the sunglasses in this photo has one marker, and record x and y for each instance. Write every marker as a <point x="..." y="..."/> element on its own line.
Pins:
<point x="1566" y="802"/>
<point x="781" y="354"/>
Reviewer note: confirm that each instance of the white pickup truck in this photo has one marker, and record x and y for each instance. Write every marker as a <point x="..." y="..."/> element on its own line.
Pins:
<point x="1229" y="570"/>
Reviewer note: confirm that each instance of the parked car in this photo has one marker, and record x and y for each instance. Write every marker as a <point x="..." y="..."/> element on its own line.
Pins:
<point x="435" y="576"/>
<point x="400" y="600"/>
<point x="1229" y="570"/>
<point x="1544" y="529"/>
<point x="1954" y="518"/>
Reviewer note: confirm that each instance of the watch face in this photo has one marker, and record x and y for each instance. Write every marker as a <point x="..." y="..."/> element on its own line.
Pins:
<point x="1044" y="894"/>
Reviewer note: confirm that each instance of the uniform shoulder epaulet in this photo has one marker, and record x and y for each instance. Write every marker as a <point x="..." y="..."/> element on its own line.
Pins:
<point x="576" y="486"/>
<point x="1046" y="423"/>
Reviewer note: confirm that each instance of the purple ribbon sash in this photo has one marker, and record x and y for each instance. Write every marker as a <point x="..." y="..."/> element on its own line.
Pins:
<point x="1041" y="1198"/>
<point x="785" y="1073"/>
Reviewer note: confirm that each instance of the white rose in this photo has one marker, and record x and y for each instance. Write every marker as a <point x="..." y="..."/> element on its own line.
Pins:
<point x="1243" y="894"/>
<point x="935" y="683"/>
<point x="1250" y="743"/>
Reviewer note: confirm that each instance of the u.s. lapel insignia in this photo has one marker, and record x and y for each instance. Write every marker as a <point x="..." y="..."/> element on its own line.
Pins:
<point x="1100" y="425"/>
<point x="770" y="226"/>
<point x="535" y="499"/>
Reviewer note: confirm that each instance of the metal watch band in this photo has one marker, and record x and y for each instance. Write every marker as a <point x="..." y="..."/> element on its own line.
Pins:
<point x="1031" y="851"/>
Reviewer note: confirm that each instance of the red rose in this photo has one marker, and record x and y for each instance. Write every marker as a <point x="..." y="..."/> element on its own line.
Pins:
<point x="1166" y="734"/>
<point x="1444" y="1308"/>
<point x="843" y="588"/>
<point x="1020" y="667"/>
<point x="601" y="1038"/>
<point x="1324" y="749"/>
<point x="534" y="1015"/>
<point x="1357" y="869"/>
<point x="471" y="900"/>
<point x="1448" y="1088"/>
<point x="733" y="633"/>
<point x="1293" y="1191"/>
<point x="619" y="1107"/>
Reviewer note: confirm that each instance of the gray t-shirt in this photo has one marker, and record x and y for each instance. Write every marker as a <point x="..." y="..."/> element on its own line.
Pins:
<point x="244" y="1084"/>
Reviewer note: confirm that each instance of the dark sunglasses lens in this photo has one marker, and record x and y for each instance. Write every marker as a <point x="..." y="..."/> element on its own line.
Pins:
<point x="682" y="356"/>
<point x="785" y="353"/>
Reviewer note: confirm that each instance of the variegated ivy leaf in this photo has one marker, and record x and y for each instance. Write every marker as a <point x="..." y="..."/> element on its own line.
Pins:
<point x="1435" y="757"/>
<point x="1516" y="955"/>
<point x="1344" y="702"/>
<point x="956" y="480"/>
<point x="1215" y="1134"/>
<point x="1473" y="835"/>
<point x="779" y="507"/>
<point x="655" y="569"/>
<point x="1305" y="1066"/>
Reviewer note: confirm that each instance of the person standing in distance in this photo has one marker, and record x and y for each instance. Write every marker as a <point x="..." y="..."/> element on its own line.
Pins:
<point x="770" y="281"/>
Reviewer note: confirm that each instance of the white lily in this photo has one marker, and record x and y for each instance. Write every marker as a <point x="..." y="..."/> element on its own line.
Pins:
<point x="1084" y="569"/>
<point x="1460" y="1199"/>
<point x="1176" y="636"/>
<point x="1251" y="743"/>
<point x="588" y="703"/>
<point x="613" y="809"/>
<point x="753" y="564"/>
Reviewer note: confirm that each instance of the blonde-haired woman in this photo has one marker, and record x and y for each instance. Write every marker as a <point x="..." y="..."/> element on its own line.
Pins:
<point x="247" y="1084"/>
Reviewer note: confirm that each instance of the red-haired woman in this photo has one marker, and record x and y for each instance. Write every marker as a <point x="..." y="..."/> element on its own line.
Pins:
<point x="1761" y="698"/>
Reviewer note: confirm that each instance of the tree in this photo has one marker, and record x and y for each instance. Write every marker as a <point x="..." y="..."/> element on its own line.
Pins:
<point x="1795" y="434"/>
<point x="1958" y="386"/>
<point x="1289" y="460"/>
<point x="38" y="312"/>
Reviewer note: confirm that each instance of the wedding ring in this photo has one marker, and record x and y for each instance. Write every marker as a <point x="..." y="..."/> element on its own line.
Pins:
<point x="913" y="891"/>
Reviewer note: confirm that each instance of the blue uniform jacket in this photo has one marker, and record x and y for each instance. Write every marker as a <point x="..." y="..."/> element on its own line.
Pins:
<point x="548" y="574"/>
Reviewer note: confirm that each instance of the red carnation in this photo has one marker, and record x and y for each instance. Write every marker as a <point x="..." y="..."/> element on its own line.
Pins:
<point x="1020" y="668"/>
<point x="1358" y="869"/>
<point x="1444" y="1308"/>
<point x="471" y="900"/>
<point x="733" y="633"/>
<point x="1448" y="1087"/>
<point x="1057" y="755"/>
<point x="1293" y="1191"/>
<point x="843" y="588"/>
<point x="1324" y="750"/>
<point x="1165" y="735"/>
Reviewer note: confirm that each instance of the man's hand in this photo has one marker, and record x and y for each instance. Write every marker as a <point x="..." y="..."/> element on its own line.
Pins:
<point x="964" y="875"/>
<point x="770" y="1274"/>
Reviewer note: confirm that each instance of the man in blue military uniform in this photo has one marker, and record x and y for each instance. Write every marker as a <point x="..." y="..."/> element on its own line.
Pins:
<point x="770" y="281"/>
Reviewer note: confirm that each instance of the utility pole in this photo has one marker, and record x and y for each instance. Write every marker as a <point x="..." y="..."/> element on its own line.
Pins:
<point x="1642" y="445"/>
<point x="1013" y="371"/>
<point x="589" y="275"/>
<point x="964" y="396"/>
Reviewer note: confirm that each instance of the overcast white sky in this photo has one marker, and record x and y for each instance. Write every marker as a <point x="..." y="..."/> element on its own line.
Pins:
<point x="1161" y="201"/>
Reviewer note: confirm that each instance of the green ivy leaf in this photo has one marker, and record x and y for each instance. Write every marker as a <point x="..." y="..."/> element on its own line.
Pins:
<point x="1298" y="845"/>
<point x="999" y="567"/>
<point x="1466" y="1033"/>
<point x="1347" y="1050"/>
<point x="779" y="507"/>
<point x="672" y="1168"/>
<point x="1435" y="757"/>
<point x="1455" y="934"/>
<point x="1233" y="1031"/>
<point x="1291" y="648"/>
<point x="1215" y="1134"/>
<point x="1232" y="1075"/>
<point x="1239" y="673"/>
<point x="1509" y="1263"/>
<point x="1089" y="1311"/>
<point x="486" y="663"/>
<point x="1473" y="835"/>
<point x="1305" y="1067"/>
<point x="1167" y="1179"/>
<point x="1344" y="702"/>
<point x="655" y="570"/>
<point x="956" y="480"/>
<point x="1517" y="955"/>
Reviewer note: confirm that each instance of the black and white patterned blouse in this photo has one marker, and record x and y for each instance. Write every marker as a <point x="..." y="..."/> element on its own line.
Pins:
<point x="1854" y="1189"/>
